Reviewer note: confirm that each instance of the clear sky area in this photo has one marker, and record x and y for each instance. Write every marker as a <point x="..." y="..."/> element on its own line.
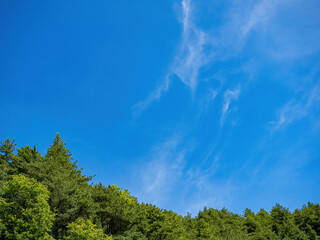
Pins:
<point x="186" y="103"/>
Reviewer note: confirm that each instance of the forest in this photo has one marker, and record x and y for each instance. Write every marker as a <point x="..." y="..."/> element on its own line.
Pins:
<point x="49" y="197"/>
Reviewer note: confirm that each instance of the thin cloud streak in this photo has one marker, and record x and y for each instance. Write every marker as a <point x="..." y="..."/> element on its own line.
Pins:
<point x="155" y="95"/>
<point x="260" y="14"/>
<point x="190" y="57"/>
<point x="186" y="64"/>
<point x="229" y="96"/>
<point x="163" y="170"/>
<point x="234" y="34"/>
<point x="297" y="109"/>
<point x="186" y="14"/>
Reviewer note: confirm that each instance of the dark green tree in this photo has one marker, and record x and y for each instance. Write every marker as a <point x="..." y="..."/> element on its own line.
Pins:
<point x="190" y="225"/>
<point x="259" y="226"/>
<point x="7" y="149"/>
<point x="29" y="161"/>
<point x="223" y="224"/>
<point x="70" y="191"/>
<point x="7" y="159"/>
<point x="308" y="220"/>
<point x="283" y="225"/>
<point x="117" y="213"/>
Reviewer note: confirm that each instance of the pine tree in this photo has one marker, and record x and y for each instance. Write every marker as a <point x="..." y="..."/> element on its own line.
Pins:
<point x="7" y="149"/>
<point x="7" y="159"/>
<point x="70" y="192"/>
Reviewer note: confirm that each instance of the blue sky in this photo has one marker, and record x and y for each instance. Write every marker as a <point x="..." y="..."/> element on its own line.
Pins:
<point x="187" y="103"/>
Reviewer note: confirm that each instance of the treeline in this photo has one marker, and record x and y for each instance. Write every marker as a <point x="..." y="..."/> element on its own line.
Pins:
<point x="48" y="197"/>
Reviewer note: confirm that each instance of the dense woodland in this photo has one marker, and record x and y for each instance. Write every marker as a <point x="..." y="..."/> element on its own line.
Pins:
<point x="48" y="197"/>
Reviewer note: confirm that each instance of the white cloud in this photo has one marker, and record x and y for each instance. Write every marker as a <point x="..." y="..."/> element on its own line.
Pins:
<point x="260" y="14"/>
<point x="246" y="18"/>
<point x="229" y="96"/>
<point x="198" y="48"/>
<point x="186" y="14"/>
<point x="297" y="109"/>
<point x="210" y="193"/>
<point x="155" y="95"/>
<point x="163" y="170"/>
<point x="166" y="168"/>
<point x="186" y="63"/>
<point x="271" y="18"/>
<point x="190" y="57"/>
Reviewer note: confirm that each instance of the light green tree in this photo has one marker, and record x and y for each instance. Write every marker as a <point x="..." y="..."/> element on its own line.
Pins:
<point x="85" y="230"/>
<point x="24" y="210"/>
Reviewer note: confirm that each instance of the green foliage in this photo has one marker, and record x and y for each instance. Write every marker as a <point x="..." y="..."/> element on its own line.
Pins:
<point x="7" y="149"/>
<point x="29" y="155"/>
<point x="190" y="224"/>
<point x="308" y="220"/>
<point x="53" y="185"/>
<point x="116" y="211"/>
<point x="213" y="223"/>
<point x="85" y="230"/>
<point x="7" y="160"/>
<point x="24" y="210"/>
<point x="283" y="225"/>
<point x="258" y="226"/>
<point x="162" y="224"/>
<point x="70" y="192"/>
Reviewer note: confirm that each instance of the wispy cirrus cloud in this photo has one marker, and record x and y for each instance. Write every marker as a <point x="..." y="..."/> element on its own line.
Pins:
<point x="242" y="19"/>
<point x="268" y="18"/>
<point x="155" y="95"/>
<point x="163" y="170"/>
<point x="259" y="15"/>
<point x="169" y="165"/>
<point x="190" y="55"/>
<point x="297" y="108"/>
<point x="229" y="96"/>
<point x="189" y="58"/>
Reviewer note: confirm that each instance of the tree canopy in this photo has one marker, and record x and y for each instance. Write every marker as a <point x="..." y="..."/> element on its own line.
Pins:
<point x="48" y="197"/>
<point x="24" y="210"/>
